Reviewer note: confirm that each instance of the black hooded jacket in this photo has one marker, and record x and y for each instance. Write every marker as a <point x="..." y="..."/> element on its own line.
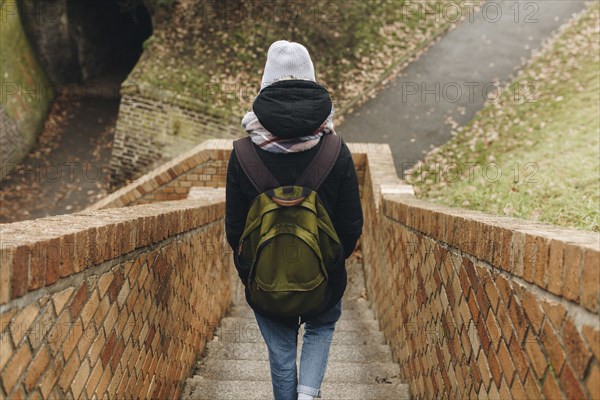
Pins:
<point x="292" y="108"/>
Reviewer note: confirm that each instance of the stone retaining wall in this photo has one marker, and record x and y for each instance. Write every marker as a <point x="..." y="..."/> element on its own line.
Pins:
<point x="25" y="92"/>
<point x="13" y="145"/>
<point x="156" y="125"/>
<point x="113" y="303"/>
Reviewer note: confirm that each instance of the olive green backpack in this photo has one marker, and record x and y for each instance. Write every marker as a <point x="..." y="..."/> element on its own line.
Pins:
<point x="289" y="243"/>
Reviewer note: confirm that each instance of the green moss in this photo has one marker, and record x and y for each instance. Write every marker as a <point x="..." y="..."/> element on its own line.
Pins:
<point x="536" y="153"/>
<point x="25" y="93"/>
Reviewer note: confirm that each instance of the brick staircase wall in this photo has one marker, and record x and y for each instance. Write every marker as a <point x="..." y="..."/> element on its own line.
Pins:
<point x="203" y="166"/>
<point x="504" y="306"/>
<point x="475" y="305"/>
<point x="112" y="303"/>
<point x="472" y="305"/>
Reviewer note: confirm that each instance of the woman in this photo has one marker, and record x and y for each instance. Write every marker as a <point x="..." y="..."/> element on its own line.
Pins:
<point x="290" y="116"/>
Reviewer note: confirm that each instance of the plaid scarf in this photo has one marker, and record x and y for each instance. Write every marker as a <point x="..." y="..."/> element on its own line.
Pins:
<point x="270" y="142"/>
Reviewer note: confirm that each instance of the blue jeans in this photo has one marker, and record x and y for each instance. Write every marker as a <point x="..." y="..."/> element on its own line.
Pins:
<point x="282" y="343"/>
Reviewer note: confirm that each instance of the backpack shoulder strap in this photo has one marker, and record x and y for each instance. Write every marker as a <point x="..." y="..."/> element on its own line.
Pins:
<point x="252" y="165"/>
<point x="322" y="163"/>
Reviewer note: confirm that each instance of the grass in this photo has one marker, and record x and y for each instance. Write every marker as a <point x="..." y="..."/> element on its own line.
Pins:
<point x="534" y="153"/>
<point x="215" y="51"/>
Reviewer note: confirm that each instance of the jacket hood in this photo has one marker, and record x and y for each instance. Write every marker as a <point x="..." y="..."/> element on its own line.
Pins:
<point x="292" y="108"/>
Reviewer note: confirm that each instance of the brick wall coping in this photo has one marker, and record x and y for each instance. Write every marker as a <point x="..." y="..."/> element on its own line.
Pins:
<point x="211" y="149"/>
<point x="380" y="164"/>
<point x="37" y="253"/>
<point x="202" y="193"/>
<point x="564" y="262"/>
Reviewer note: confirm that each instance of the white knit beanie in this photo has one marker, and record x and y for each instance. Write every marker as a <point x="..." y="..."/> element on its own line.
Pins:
<point x="287" y="59"/>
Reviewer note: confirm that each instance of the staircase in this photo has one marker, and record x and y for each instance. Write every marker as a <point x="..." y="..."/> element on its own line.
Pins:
<point x="236" y="365"/>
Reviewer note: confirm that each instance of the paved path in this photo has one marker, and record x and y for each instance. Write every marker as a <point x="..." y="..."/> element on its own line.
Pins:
<point x="67" y="170"/>
<point x="411" y="113"/>
<point x="360" y="363"/>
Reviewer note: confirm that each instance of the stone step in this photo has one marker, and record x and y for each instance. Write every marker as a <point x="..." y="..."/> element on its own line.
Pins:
<point x="351" y="316"/>
<point x="258" y="351"/>
<point x="199" y="388"/>
<point x="338" y="372"/>
<point x="240" y="325"/>
<point x="348" y="303"/>
<point x="344" y="337"/>
<point x="351" y="294"/>
<point x="236" y="366"/>
<point x="357" y="311"/>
